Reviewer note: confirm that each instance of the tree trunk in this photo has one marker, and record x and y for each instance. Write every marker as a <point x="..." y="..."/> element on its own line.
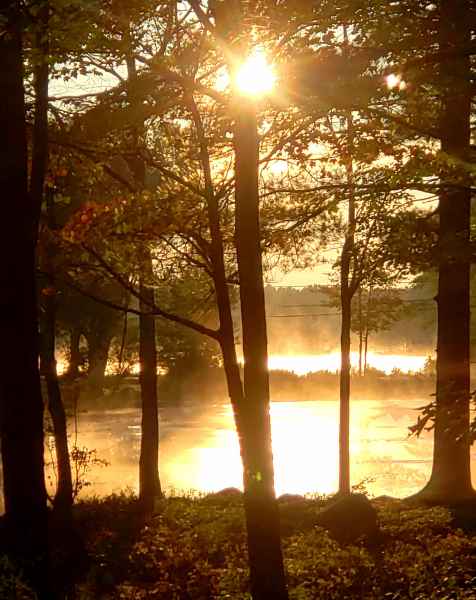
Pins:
<point x="347" y="290"/>
<point x="450" y="480"/>
<point x="98" y="352"/>
<point x="149" y="482"/>
<point x="21" y="406"/>
<point x="75" y="357"/>
<point x="251" y="413"/>
<point x="344" y="381"/>
<point x="361" y="332"/>
<point x="366" y="346"/>
<point x="367" y="327"/>
<point x="64" y="494"/>
<point x="262" y="516"/>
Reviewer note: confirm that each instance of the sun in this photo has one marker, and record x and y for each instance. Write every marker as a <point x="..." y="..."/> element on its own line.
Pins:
<point x="255" y="77"/>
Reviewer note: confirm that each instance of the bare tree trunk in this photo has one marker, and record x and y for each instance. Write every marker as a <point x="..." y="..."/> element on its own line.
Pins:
<point x="99" y="342"/>
<point x="149" y="482"/>
<point x="75" y="357"/>
<point x="361" y="332"/>
<point x="21" y="406"/>
<point x="64" y="494"/>
<point x="262" y="516"/>
<point x="347" y="290"/>
<point x="344" y="380"/>
<point x="450" y="480"/>
<point x="366" y="346"/>
<point x="251" y="412"/>
<point x="367" y="327"/>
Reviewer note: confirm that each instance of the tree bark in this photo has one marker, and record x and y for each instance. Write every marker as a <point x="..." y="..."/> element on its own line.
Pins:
<point x="64" y="495"/>
<point x="262" y="516"/>
<point x="63" y="500"/>
<point x="75" y="358"/>
<point x="361" y="333"/>
<point x="366" y="347"/>
<point x="450" y="480"/>
<point x="149" y="482"/>
<point x="98" y="352"/>
<point x="251" y="416"/>
<point x="347" y="290"/>
<point x="21" y="406"/>
<point x="344" y="383"/>
<point x="367" y="327"/>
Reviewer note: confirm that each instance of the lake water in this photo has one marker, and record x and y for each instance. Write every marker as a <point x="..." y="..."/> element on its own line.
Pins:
<point x="199" y="447"/>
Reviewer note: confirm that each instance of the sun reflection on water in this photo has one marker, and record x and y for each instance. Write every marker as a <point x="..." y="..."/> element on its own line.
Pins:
<point x="199" y="447"/>
<point x="305" y="449"/>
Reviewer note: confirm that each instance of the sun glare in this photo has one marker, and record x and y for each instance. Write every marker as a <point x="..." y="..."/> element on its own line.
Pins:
<point x="395" y="81"/>
<point x="255" y="76"/>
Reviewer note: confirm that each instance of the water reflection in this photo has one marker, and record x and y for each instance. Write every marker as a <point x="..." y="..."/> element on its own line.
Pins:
<point x="199" y="447"/>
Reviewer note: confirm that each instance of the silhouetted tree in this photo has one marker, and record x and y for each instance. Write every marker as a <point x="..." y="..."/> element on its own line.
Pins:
<point x="64" y="494"/>
<point x="21" y="406"/>
<point x="450" y="479"/>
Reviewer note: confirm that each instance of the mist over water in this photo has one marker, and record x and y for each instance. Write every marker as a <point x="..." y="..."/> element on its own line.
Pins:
<point x="199" y="447"/>
<point x="302" y="364"/>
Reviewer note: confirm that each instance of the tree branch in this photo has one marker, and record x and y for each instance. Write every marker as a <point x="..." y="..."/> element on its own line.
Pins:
<point x="155" y="310"/>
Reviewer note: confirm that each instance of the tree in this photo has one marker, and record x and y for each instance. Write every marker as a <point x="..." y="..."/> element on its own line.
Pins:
<point x="417" y="110"/>
<point x="208" y="216"/>
<point x="439" y="142"/>
<point x="378" y="308"/>
<point x="64" y="494"/>
<point x="21" y="406"/>
<point x="149" y="481"/>
<point x="450" y="479"/>
<point x="262" y="516"/>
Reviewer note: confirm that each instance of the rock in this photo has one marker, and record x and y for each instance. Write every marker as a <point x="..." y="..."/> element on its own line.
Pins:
<point x="230" y="493"/>
<point x="385" y="498"/>
<point x="349" y="518"/>
<point x="291" y="498"/>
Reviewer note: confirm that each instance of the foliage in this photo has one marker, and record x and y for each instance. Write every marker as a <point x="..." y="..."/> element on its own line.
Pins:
<point x="426" y="419"/>
<point x="194" y="548"/>
<point x="82" y="460"/>
<point x="12" y="586"/>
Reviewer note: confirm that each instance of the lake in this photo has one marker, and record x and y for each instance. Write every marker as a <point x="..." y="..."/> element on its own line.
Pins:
<point x="199" y="447"/>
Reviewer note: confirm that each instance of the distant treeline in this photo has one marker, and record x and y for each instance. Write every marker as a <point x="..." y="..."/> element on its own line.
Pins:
<point x="209" y="386"/>
<point x="306" y="320"/>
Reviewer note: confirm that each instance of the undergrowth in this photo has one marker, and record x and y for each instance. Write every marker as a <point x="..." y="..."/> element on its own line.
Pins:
<point x="194" y="548"/>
